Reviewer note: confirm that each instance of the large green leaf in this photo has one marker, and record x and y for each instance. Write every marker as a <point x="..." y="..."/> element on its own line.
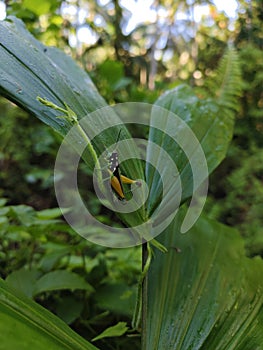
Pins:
<point x="212" y="130"/>
<point x="29" y="69"/>
<point x="26" y="325"/>
<point x="204" y="293"/>
<point x="195" y="133"/>
<point x="188" y="130"/>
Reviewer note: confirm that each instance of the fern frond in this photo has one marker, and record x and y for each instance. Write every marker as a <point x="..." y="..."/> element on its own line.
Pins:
<point x="226" y="85"/>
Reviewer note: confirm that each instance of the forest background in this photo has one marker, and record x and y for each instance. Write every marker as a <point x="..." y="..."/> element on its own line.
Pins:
<point x="136" y="58"/>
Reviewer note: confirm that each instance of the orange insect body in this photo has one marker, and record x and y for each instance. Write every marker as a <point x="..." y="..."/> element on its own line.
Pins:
<point x="116" y="178"/>
<point x="117" y="187"/>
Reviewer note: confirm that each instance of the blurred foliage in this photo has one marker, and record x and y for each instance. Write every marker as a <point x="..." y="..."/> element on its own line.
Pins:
<point x="236" y="187"/>
<point x="86" y="285"/>
<point x="27" y="155"/>
<point x="153" y="53"/>
<point x="242" y="197"/>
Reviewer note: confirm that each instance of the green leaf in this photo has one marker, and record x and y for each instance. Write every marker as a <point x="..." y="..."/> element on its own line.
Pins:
<point x="24" y="214"/>
<point x="115" y="331"/>
<point x="56" y="280"/>
<point x="30" y="283"/>
<point x="196" y="135"/>
<point x="23" y="280"/>
<point x="212" y="128"/>
<point x="212" y="122"/>
<point x="50" y="74"/>
<point x="26" y="325"/>
<point x="49" y="213"/>
<point x="204" y="293"/>
<point x="55" y="77"/>
<point x="227" y="84"/>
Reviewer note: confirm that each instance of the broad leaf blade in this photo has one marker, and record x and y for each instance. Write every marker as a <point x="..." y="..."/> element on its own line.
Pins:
<point x="57" y="280"/>
<point x="29" y="69"/>
<point x="212" y="127"/>
<point x="204" y="293"/>
<point x="26" y="325"/>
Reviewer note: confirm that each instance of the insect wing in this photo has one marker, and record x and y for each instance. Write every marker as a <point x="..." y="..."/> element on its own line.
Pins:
<point x="116" y="183"/>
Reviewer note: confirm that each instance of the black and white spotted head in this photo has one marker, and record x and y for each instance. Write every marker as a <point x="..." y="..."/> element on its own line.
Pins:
<point x="113" y="161"/>
<point x="113" y="158"/>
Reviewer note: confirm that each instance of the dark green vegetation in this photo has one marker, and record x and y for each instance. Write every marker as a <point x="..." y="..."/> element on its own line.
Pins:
<point x="205" y="293"/>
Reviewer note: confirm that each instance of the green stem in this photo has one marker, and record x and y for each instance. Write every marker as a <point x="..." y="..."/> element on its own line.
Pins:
<point x="159" y="246"/>
<point x="88" y="143"/>
<point x="138" y="307"/>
